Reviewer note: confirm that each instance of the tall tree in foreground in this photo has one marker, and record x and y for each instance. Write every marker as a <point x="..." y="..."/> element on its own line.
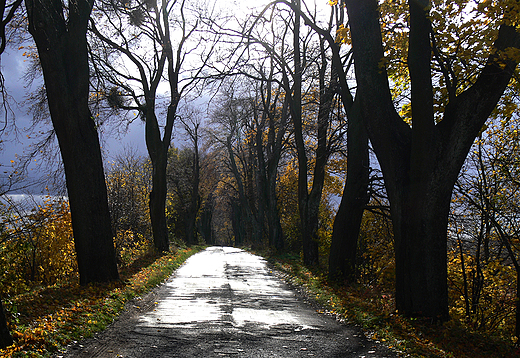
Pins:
<point x="421" y="162"/>
<point x="60" y="36"/>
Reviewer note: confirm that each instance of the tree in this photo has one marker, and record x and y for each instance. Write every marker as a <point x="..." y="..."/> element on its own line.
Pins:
<point x="128" y="185"/>
<point x="191" y="122"/>
<point x="347" y="223"/>
<point x="233" y="119"/>
<point x="266" y="128"/>
<point x="147" y="24"/>
<point x="310" y="67"/>
<point x="484" y="222"/>
<point x="60" y="36"/>
<point x="421" y="162"/>
<point x="270" y="117"/>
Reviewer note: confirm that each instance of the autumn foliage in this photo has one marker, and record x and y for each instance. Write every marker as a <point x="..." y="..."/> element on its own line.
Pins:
<point x="47" y="318"/>
<point x="37" y="248"/>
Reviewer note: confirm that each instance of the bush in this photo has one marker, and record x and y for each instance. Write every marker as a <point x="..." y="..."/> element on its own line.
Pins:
<point x="37" y="247"/>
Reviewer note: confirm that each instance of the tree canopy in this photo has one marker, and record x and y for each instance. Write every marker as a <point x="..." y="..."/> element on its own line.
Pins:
<point x="321" y="131"/>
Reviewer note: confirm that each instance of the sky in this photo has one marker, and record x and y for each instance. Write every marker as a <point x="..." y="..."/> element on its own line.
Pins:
<point x="13" y="144"/>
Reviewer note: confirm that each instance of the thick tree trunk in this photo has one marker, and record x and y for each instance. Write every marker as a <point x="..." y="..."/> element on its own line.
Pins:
<point x="62" y="50"/>
<point x="421" y="164"/>
<point x="158" y="151"/>
<point x="347" y="223"/>
<point x="420" y="219"/>
<point x="157" y="202"/>
<point x="91" y="222"/>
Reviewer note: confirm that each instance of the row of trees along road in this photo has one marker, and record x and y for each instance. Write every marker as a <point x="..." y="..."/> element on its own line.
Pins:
<point x="416" y="79"/>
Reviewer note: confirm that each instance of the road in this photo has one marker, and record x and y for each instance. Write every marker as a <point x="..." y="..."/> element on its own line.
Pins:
<point x="225" y="302"/>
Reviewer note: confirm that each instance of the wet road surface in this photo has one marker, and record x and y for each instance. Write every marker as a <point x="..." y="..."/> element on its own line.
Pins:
<point x="224" y="302"/>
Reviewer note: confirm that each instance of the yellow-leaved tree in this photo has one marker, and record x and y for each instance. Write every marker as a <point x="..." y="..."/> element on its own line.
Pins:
<point x="37" y="246"/>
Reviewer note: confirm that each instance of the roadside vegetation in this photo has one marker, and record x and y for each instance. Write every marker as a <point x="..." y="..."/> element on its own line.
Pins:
<point x="414" y="166"/>
<point x="47" y="318"/>
<point x="46" y="307"/>
<point x="372" y="307"/>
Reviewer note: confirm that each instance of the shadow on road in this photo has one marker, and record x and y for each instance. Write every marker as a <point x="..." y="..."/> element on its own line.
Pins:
<point x="224" y="302"/>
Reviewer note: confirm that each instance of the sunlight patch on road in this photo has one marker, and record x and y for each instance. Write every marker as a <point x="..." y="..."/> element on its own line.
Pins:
<point x="225" y="286"/>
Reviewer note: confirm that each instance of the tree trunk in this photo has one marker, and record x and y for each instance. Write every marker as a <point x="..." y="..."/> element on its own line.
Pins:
<point x="157" y="202"/>
<point x="421" y="164"/>
<point x="420" y="219"/>
<point x="158" y="151"/>
<point x="5" y="337"/>
<point x="191" y="227"/>
<point x="347" y="223"/>
<point x="62" y="49"/>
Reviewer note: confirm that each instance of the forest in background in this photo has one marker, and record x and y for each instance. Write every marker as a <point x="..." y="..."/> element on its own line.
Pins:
<point x="378" y="142"/>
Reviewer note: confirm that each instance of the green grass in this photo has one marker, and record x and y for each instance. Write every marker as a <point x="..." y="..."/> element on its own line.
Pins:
<point x="48" y="318"/>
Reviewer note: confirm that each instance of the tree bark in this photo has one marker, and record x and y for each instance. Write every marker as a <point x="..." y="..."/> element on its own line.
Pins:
<point x="158" y="151"/>
<point x="347" y="223"/>
<point x="5" y="336"/>
<point x="62" y="49"/>
<point x="191" y="226"/>
<point x="157" y="203"/>
<point x="421" y="164"/>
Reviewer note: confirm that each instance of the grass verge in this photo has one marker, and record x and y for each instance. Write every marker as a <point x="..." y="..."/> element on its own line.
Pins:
<point x="374" y="311"/>
<point x="48" y="318"/>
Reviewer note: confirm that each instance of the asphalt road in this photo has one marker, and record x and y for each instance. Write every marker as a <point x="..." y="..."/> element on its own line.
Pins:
<point x="225" y="302"/>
